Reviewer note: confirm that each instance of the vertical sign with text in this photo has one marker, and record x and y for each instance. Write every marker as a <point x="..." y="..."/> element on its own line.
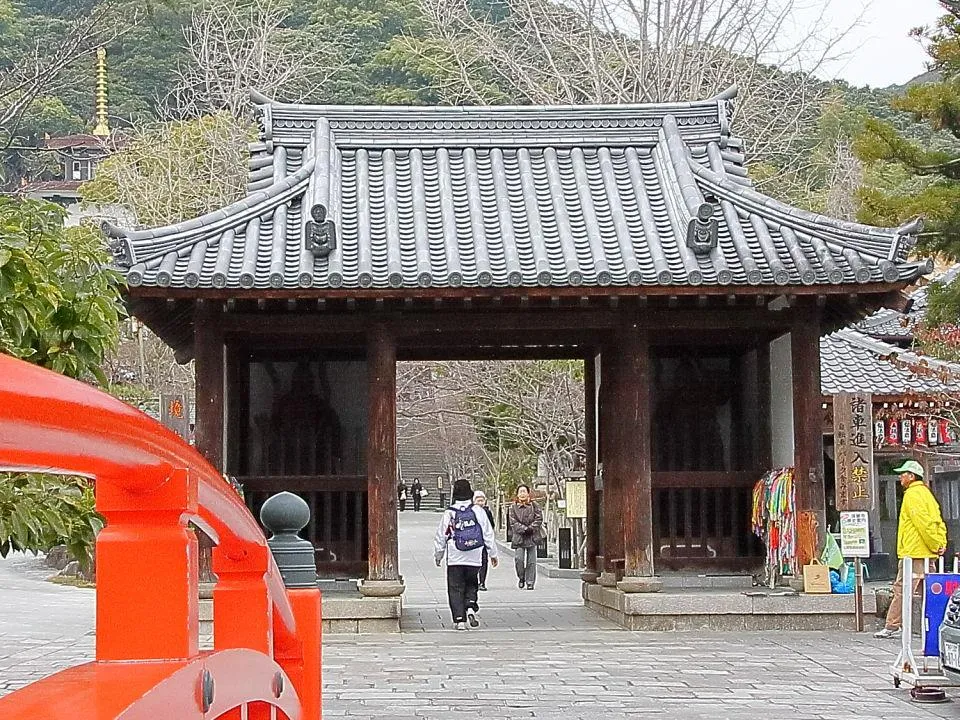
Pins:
<point x="175" y="414"/>
<point x="853" y="447"/>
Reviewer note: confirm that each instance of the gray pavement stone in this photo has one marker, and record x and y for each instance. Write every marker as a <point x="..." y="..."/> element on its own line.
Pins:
<point x="538" y="654"/>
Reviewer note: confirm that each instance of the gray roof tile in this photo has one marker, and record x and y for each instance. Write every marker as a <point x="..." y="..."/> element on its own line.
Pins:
<point x="851" y="361"/>
<point x="506" y="197"/>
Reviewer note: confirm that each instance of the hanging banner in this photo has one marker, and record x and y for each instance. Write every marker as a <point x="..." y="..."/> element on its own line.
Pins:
<point x="853" y="446"/>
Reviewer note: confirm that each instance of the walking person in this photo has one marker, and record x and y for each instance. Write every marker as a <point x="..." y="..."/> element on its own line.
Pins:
<point x="463" y="534"/>
<point x="402" y="495"/>
<point x="418" y="492"/>
<point x="480" y="500"/>
<point x="921" y="535"/>
<point x="526" y="526"/>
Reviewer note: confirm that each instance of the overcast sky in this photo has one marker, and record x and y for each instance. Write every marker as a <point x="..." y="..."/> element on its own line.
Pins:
<point x="879" y="52"/>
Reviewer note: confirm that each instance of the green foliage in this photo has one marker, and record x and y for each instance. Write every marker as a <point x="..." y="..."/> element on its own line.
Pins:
<point x="175" y="171"/>
<point x="59" y="301"/>
<point x="38" y="512"/>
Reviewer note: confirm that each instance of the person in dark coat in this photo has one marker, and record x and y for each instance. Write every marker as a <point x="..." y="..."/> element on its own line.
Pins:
<point x="526" y="527"/>
<point x="417" y="492"/>
<point x="402" y="495"/>
<point x="480" y="500"/>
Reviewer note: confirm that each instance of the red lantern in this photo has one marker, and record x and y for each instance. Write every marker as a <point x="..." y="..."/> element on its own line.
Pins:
<point x="920" y="430"/>
<point x="893" y="431"/>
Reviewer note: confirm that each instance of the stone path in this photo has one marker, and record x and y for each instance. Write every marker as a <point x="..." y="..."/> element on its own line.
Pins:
<point x="43" y="627"/>
<point x="537" y="655"/>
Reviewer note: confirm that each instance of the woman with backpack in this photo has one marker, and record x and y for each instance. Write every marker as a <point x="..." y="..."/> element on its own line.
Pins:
<point x="525" y="520"/>
<point x="462" y="535"/>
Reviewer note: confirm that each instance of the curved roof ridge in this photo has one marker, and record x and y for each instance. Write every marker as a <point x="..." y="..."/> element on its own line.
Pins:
<point x="183" y="234"/>
<point x="887" y="350"/>
<point x="710" y="103"/>
<point x="804" y="221"/>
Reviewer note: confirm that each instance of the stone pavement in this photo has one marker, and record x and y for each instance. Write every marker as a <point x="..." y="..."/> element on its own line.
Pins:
<point x="537" y="655"/>
<point x="43" y="627"/>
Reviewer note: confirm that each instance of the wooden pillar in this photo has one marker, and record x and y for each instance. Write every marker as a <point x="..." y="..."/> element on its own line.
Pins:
<point x="590" y="440"/>
<point x="382" y="455"/>
<point x="629" y="451"/>
<point x="209" y="373"/>
<point x="611" y="531"/>
<point x="808" y="415"/>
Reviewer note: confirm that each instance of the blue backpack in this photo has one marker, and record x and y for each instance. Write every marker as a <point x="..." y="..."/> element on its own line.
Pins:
<point x="466" y="530"/>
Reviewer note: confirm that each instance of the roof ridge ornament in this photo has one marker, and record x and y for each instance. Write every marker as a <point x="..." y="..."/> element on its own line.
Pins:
<point x="320" y="234"/>
<point x="906" y="240"/>
<point x="702" y="230"/>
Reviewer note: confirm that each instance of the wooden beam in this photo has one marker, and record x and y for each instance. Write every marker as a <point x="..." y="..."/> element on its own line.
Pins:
<point x="611" y="530"/>
<point x="590" y="436"/>
<point x="531" y="292"/>
<point x="807" y="416"/>
<point x="382" y="554"/>
<point x="629" y="462"/>
<point x="210" y="382"/>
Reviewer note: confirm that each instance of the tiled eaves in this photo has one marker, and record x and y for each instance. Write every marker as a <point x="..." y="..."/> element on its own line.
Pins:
<point x="852" y="361"/>
<point x="459" y="215"/>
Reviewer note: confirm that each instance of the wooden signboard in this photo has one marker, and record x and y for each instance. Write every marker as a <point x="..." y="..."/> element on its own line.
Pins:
<point x="576" y="492"/>
<point x="853" y="446"/>
<point x="175" y="414"/>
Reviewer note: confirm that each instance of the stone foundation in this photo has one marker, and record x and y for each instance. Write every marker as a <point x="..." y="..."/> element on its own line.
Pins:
<point x="340" y="614"/>
<point x="361" y="614"/>
<point x="714" y="610"/>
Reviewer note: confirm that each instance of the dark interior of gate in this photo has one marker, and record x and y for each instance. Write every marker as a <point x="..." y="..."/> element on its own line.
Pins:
<point x="297" y="421"/>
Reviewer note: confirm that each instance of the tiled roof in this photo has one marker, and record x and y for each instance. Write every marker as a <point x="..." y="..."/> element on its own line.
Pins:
<point x="410" y="197"/>
<point x="50" y="186"/>
<point x="892" y="325"/>
<point x="851" y="361"/>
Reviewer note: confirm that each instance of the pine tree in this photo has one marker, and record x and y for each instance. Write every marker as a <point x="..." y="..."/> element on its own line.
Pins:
<point x="914" y="161"/>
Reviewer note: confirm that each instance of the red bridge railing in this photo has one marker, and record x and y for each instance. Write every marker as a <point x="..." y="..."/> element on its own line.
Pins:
<point x="149" y="486"/>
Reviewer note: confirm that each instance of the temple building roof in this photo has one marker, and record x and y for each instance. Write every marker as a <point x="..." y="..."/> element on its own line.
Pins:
<point x="409" y="198"/>
<point x="875" y="354"/>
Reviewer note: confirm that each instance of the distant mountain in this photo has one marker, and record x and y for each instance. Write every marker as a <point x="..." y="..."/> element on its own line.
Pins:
<point x="926" y="77"/>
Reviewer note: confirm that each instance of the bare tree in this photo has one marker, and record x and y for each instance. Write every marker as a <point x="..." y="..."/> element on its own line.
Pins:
<point x="618" y="51"/>
<point x="38" y="68"/>
<point x="505" y="415"/>
<point x="235" y="45"/>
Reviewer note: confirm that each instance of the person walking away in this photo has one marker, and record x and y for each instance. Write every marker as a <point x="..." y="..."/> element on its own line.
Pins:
<point x="418" y="493"/>
<point x="921" y="535"/>
<point x="402" y="495"/>
<point x="462" y="535"/>
<point x="480" y="500"/>
<point x="526" y="526"/>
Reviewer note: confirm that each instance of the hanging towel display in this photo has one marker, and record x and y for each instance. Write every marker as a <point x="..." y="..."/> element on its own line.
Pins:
<point x="774" y="520"/>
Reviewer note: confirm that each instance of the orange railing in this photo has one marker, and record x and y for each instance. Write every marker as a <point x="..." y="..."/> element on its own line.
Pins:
<point x="149" y="485"/>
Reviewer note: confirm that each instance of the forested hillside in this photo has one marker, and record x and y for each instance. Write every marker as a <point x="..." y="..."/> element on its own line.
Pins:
<point x="180" y="59"/>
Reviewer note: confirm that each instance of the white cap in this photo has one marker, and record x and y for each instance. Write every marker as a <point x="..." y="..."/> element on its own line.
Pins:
<point x="479" y="493"/>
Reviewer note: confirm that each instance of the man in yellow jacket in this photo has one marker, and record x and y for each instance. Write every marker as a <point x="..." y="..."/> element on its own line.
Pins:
<point x="921" y="535"/>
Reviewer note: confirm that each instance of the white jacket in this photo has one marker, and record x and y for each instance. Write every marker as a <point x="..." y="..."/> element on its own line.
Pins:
<point x="443" y="543"/>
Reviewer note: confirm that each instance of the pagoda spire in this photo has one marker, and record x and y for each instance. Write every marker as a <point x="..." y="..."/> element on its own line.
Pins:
<point x="102" y="128"/>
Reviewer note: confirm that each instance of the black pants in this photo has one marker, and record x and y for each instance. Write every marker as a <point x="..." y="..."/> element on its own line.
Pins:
<point x="416" y="503"/>
<point x="484" y="567"/>
<point x="403" y="505"/>
<point x="462" y="584"/>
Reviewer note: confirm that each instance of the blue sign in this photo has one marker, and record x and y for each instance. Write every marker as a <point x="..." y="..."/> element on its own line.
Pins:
<point x="937" y="589"/>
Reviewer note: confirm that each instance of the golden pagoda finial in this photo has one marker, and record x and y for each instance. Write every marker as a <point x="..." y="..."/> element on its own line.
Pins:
<point x="103" y="127"/>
